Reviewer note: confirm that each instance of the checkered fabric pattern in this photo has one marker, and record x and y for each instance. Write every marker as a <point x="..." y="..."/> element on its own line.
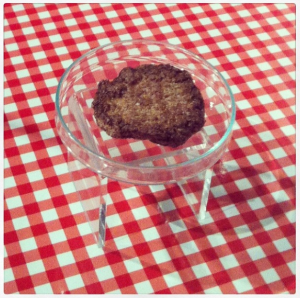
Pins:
<point x="247" y="241"/>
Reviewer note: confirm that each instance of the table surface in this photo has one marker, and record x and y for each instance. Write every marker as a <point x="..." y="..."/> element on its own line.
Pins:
<point x="246" y="244"/>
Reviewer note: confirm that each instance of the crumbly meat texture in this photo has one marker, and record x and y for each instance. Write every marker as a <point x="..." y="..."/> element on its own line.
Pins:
<point x="155" y="102"/>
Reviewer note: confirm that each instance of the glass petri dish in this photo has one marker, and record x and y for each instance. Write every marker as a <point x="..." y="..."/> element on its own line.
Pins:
<point x="141" y="161"/>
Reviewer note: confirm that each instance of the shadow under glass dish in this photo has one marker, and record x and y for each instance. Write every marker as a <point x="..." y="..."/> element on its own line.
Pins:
<point x="94" y="155"/>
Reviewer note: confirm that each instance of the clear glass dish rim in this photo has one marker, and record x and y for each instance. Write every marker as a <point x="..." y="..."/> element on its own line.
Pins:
<point x="128" y="165"/>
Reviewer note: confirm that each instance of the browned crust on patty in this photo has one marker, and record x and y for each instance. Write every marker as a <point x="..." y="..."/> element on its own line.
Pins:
<point x="155" y="102"/>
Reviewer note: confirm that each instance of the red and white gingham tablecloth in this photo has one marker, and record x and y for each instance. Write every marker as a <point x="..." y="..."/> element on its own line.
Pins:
<point x="246" y="244"/>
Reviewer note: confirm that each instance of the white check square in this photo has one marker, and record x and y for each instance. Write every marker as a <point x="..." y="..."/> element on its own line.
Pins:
<point x="49" y="215"/>
<point x="36" y="267"/>
<point x="74" y="282"/>
<point x="256" y="253"/>
<point x="28" y="157"/>
<point x="278" y="153"/>
<point x="35" y="176"/>
<point x="167" y="205"/>
<point x="16" y="123"/>
<point x="140" y="213"/>
<point x="243" y="142"/>
<point x="254" y="85"/>
<point x="243" y="184"/>
<point x="266" y="136"/>
<point x="113" y="220"/>
<point x="14" y="202"/>
<point x="133" y="264"/>
<point x="42" y="195"/>
<point x="177" y="226"/>
<point x="28" y="244"/>
<point x="230" y="211"/>
<point x="189" y="248"/>
<point x="255" y="159"/>
<point x="172" y="279"/>
<point x="267" y="177"/>
<point x="270" y="275"/>
<point x="104" y="273"/>
<point x="201" y="270"/>
<point x="21" y="223"/>
<point x="57" y="236"/>
<point x="65" y="259"/>
<point x="282" y="245"/>
<point x="242" y="285"/>
<point x="8" y="275"/>
<point x="243" y="231"/>
<point x="144" y="287"/>
<point x="161" y="256"/>
<point x="216" y="239"/>
<point x="256" y="203"/>
<point x="269" y="223"/>
<point x="150" y="234"/>
<point x="243" y="104"/>
<point x="43" y="289"/>
<point x="123" y="242"/>
<point x="229" y="262"/>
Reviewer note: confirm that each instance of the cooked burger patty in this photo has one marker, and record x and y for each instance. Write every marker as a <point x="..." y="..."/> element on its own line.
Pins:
<point x="156" y="102"/>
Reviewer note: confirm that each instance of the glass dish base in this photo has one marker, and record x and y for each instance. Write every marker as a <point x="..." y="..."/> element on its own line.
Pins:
<point x="94" y="195"/>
